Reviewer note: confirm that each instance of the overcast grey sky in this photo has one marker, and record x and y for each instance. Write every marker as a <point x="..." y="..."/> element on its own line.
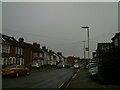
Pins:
<point x="58" y="25"/>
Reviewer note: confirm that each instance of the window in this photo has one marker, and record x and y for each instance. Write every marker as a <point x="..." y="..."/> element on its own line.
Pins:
<point x="21" y="61"/>
<point x="3" y="39"/>
<point x="19" y="51"/>
<point x="14" y="60"/>
<point x="6" y="49"/>
<point x="10" y="60"/>
<point x="17" y="61"/>
<point x="5" y="61"/>
<point x="116" y="42"/>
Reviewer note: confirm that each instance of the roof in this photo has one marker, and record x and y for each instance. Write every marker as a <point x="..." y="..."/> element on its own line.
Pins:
<point x="101" y="45"/>
<point x="116" y="35"/>
<point x="106" y="44"/>
<point x="43" y="50"/>
<point x="33" y="48"/>
<point x="8" y="40"/>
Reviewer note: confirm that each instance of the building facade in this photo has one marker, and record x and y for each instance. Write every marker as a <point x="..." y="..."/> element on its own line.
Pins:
<point x="12" y="51"/>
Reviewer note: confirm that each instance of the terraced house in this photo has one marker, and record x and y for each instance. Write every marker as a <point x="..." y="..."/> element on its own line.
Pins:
<point x="23" y="53"/>
<point x="61" y="57"/>
<point x="32" y="53"/>
<point x="12" y="51"/>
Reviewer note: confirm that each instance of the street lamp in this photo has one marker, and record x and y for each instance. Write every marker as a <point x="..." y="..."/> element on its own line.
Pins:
<point x="86" y="27"/>
<point x="84" y="49"/>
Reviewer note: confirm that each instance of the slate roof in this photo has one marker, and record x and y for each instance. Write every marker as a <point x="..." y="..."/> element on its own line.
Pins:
<point x="33" y="48"/>
<point x="116" y="35"/>
<point x="8" y="40"/>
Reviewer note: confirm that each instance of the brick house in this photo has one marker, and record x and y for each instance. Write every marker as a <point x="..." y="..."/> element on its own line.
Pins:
<point x="12" y="51"/>
<point x="70" y="60"/>
<point x="32" y="53"/>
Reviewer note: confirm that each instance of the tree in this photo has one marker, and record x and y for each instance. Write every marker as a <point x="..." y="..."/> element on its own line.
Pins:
<point x="109" y="66"/>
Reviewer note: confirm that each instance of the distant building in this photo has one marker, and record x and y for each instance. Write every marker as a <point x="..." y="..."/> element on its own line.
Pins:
<point x="116" y="40"/>
<point x="54" y="58"/>
<point x="70" y="60"/>
<point x="46" y="55"/>
<point x="61" y="57"/>
<point x="102" y="48"/>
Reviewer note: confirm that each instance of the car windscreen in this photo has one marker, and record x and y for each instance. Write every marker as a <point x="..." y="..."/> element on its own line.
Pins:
<point x="12" y="66"/>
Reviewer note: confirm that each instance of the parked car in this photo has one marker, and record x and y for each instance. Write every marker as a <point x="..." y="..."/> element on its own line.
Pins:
<point x="35" y="65"/>
<point x="15" y="70"/>
<point x="93" y="73"/>
<point x="60" y="65"/>
<point x="81" y="65"/>
<point x="90" y="65"/>
<point x="76" y="66"/>
<point x="68" y="65"/>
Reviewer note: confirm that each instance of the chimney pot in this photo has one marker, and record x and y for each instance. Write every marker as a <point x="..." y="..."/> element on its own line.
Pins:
<point x="21" y="40"/>
<point x="44" y="47"/>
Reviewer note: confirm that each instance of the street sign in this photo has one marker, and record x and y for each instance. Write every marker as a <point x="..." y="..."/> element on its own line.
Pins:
<point x="87" y="49"/>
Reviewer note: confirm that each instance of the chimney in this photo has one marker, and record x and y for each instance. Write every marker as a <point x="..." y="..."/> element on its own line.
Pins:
<point x="38" y="45"/>
<point x="59" y="53"/>
<point x="21" y="40"/>
<point x="46" y="50"/>
<point x="50" y="50"/>
<point x="35" y="44"/>
<point x="43" y="47"/>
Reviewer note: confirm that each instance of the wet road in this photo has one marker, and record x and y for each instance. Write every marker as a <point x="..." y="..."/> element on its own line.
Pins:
<point x="40" y="79"/>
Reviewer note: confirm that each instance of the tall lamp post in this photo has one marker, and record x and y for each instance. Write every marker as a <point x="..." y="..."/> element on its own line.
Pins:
<point x="84" y="49"/>
<point x="86" y="27"/>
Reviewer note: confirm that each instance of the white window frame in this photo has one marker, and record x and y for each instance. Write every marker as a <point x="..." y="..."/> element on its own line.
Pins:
<point x="10" y="60"/>
<point x="22" y="61"/>
<point x="14" y="60"/>
<point x="19" y="51"/>
<point x="6" y="49"/>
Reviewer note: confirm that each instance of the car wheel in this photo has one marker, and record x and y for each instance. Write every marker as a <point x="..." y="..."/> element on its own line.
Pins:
<point x="17" y="74"/>
<point x="27" y="73"/>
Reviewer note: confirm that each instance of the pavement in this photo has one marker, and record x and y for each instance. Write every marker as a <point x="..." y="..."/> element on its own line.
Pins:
<point x="82" y="80"/>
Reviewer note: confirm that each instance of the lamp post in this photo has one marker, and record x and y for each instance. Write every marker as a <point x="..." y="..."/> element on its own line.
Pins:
<point x="86" y="27"/>
<point x="84" y="49"/>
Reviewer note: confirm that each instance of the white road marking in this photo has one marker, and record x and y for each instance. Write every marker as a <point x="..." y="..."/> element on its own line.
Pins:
<point x="74" y="76"/>
<point x="68" y="83"/>
<point x="61" y="85"/>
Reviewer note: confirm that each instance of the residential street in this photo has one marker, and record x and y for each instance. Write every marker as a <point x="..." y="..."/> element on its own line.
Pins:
<point x="40" y="79"/>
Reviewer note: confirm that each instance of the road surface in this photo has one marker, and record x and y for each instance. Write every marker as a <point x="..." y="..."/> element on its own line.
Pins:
<point x="40" y="79"/>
